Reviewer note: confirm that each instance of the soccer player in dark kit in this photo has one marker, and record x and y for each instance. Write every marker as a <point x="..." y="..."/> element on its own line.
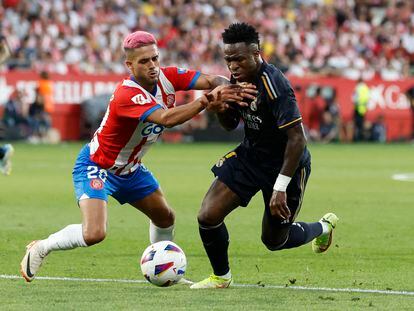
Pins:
<point x="272" y="158"/>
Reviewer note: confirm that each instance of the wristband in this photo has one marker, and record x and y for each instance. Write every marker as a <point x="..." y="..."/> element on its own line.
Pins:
<point x="281" y="183"/>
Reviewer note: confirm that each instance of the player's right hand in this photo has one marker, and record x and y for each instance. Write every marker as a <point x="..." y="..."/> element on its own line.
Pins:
<point x="278" y="205"/>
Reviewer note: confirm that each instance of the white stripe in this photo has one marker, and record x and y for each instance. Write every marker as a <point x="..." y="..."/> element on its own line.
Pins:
<point x="270" y="84"/>
<point x="404" y="177"/>
<point x="264" y="286"/>
<point x="56" y="278"/>
<point x="166" y="84"/>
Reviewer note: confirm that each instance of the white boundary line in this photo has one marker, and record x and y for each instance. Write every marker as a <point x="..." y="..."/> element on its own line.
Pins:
<point x="303" y="288"/>
<point x="403" y="177"/>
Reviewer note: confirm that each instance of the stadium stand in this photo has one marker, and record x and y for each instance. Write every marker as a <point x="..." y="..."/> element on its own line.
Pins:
<point x="346" y="38"/>
<point x="322" y="44"/>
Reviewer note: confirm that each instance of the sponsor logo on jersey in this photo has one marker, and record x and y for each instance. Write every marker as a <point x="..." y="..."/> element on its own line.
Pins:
<point x="152" y="128"/>
<point x="140" y="99"/>
<point x="252" y="121"/>
<point x="96" y="184"/>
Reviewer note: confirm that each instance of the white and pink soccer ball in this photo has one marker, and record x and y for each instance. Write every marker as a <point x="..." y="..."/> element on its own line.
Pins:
<point x="163" y="263"/>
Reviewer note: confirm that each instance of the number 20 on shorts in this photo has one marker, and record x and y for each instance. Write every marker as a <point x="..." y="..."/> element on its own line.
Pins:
<point x="94" y="172"/>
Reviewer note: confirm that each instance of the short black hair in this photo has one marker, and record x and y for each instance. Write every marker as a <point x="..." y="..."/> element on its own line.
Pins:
<point x="240" y="32"/>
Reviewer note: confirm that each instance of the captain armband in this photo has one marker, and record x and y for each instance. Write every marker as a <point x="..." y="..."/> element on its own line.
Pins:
<point x="281" y="183"/>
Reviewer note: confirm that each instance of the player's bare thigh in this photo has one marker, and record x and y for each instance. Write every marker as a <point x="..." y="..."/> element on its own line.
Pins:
<point x="218" y="202"/>
<point x="155" y="206"/>
<point x="94" y="220"/>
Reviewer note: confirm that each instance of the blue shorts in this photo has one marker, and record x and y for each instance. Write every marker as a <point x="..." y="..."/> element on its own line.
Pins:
<point x="94" y="182"/>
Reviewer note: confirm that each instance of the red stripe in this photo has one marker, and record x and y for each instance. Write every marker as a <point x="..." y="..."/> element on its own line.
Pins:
<point x="133" y="154"/>
<point x="137" y="149"/>
<point x="135" y="162"/>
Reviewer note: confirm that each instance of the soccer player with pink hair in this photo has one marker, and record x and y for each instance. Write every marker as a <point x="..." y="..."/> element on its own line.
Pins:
<point x="141" y="107"/>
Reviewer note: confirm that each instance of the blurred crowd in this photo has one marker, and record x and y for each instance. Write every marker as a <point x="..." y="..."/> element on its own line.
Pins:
<point x="31" y="120"/>
<point x="323" y="123"/>
<point x="351" y="38"/>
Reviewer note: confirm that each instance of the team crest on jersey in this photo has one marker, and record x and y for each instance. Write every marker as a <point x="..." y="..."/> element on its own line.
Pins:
<point x="253" y="105"/>
<point x="170" y="100"/>
<point x="96" y="184"/>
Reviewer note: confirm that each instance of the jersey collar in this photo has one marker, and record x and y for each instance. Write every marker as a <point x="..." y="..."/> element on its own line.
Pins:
<point x="153" y="91"/>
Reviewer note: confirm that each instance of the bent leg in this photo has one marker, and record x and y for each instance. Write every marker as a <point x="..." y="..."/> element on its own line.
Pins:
<point x="217" y="204"/>
<point x="278" y="235"/>
<point x="94" y="220"/>
<point x="91" y="231"/>
<point x="161" y="216"/>
<point x="91" y="192"/>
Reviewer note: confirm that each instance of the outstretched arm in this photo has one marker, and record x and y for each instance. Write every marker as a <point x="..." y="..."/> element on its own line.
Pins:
<point x="209" y="82"/>
<point x="229" y="118"/>
<point x="215" y="101"/>
<point x="177" y="115"/>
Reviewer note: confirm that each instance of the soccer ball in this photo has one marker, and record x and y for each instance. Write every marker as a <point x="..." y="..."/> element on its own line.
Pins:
<point x="163" y="263"/>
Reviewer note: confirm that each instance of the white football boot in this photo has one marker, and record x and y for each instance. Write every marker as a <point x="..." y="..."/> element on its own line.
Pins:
<point x="32" y="260"/>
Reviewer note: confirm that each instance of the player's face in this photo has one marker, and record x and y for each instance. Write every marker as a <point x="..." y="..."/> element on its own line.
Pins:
<point x="242" y="60"/>
<point x="144" y="65"/>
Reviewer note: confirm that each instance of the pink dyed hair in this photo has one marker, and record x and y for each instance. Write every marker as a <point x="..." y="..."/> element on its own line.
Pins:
<point x="138" y="39"/>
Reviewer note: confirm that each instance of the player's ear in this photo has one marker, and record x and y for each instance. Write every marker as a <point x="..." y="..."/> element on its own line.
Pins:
<point x="128" y="63"/>
<point x="256" y="55"/>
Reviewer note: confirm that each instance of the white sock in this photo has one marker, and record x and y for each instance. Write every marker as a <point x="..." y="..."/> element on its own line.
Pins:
<point x="68" y="238"/>
<point x="226" y="276"/>
<point x="160" y="234"/>
<point x="325" y="227"/>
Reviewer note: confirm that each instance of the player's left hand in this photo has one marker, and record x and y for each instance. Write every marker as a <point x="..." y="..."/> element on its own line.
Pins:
<point x="278" y="205"/>
<point x="234" y="93"/>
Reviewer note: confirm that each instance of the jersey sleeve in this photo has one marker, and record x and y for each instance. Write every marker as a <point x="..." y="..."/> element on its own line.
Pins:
<point x="285" y="107"/>
<point x="135" y="104"/>
<point x="182" y="79"/>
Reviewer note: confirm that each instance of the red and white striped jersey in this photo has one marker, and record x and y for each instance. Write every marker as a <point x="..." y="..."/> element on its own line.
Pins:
<point x="124" y="136"/>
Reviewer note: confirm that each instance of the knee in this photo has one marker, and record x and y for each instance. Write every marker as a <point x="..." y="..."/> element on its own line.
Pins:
<point x="207" y="217"/>
<point x="167" y="220"/>
<point x="272" y="244"/>
<point x="93" y="235"/>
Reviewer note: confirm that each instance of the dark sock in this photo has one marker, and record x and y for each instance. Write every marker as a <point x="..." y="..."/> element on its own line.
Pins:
<point x="301" y="233"/>
<point x="216" y="243"/>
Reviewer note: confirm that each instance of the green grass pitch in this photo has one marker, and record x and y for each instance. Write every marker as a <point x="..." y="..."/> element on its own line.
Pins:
<point x="373" y="246"/>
